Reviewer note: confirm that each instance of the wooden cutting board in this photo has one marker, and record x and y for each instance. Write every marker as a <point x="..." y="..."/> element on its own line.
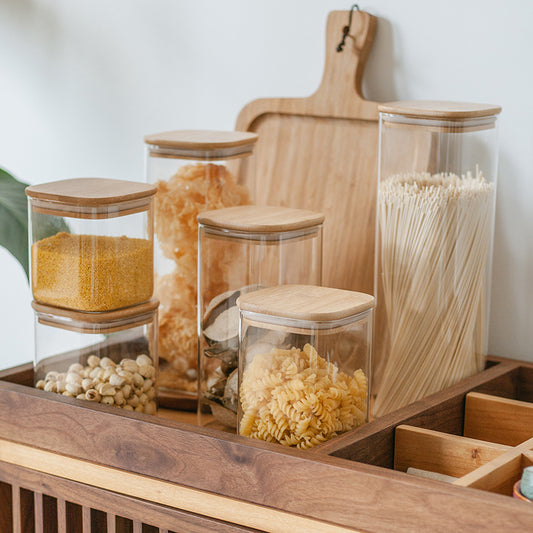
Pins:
<point x="321" y="153"/>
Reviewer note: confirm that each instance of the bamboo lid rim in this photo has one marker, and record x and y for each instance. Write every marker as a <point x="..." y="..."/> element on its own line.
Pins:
<point x="260" y="219"/>
<point x="202" y="139"/>
<point x="91" y="191"/>
<point x="306" y="302"/>
<point x="100" y="319"/>
<point x="439" y="109"/>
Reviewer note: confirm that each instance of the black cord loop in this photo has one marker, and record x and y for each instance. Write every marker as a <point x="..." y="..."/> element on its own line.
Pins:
<point x="346" y="29"/>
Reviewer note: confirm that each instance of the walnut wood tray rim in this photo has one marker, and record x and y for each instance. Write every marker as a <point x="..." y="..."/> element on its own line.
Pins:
<point x="309" y="483"/>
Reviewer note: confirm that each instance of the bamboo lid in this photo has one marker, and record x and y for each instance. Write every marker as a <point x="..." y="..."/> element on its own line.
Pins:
<point x="91" y="191"/>
<point x="439" y="109"/>
<point x="96" y="322"/>
<point x="306" y="302"/>
<point x="91" y="197"/>
<point x="260" y="219"/>
<point x="198" y="141"/>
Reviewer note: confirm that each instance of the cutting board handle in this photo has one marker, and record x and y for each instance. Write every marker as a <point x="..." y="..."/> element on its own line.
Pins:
<point x="339" y="94"/>
<point x="343" y="71"/>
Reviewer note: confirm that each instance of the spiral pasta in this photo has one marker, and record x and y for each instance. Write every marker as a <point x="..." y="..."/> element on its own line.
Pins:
<point x="297" y="398"/>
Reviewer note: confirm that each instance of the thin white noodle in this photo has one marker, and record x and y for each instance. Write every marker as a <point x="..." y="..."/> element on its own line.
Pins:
<point x="435" y="244"/>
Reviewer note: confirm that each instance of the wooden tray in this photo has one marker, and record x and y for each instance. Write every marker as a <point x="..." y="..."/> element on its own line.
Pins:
<point x="68" y="465"/>
<point x="320" y="153"/>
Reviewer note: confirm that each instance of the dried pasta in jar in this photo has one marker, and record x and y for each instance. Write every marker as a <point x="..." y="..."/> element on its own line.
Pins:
<point x="304" y="359"/>
<point x="297" y="398"/>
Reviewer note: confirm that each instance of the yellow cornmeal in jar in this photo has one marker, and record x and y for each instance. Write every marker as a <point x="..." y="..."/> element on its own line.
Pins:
<point x="92" y="272"/>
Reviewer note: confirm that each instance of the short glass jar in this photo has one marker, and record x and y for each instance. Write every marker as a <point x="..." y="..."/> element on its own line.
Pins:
<point x="110" y="357"/>
<point x="304" y="363"/>
<point x="194" y="171"/>
<point x="436" y="203"/>
<point x="91" y="243"/>
<point x="242" y="249"/>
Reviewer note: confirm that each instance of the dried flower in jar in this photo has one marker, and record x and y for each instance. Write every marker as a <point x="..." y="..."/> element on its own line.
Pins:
<point x="193" y="189"/>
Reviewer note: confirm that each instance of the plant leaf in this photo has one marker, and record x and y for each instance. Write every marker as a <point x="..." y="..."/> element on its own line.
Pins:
<point x="47" y="225"/>
<point x="14" y="218"/>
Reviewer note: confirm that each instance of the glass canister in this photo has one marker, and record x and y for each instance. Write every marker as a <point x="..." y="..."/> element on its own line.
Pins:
<point x="91" y="243"/>
<point x="435" y="216"/>
<point x="242" y="249"/>
<point x="194" y="171"/>
<point x="304" y="363"/>
<point x="108" y="357"/>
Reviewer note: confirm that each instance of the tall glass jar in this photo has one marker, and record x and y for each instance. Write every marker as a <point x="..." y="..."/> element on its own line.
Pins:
<point x="304" y="363"/>
<point x="91" y="243"/>
<point x="242" y="249"/>
<point x="193" y="171"/>
<point x="108" y="357"/>
<point x="436" y="199"/>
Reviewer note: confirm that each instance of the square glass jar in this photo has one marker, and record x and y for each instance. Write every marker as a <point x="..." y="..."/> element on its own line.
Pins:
<point x="109" y="358"/>
<point x="304" y="363"/>
<point x="194" y="171"/>
<point x="435" y="217"/>
<point x="91" y="243"/>
<point x="242" y="249"/>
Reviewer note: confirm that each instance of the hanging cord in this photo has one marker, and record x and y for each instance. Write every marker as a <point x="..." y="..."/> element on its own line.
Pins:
<point x="346" y="29"/>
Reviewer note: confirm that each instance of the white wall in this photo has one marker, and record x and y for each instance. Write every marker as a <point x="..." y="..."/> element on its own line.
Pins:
<point x="82" y="83"/>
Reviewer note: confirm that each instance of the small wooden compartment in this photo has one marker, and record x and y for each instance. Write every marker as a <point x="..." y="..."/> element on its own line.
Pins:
<point x="495" y="447"/>
<point x="73" y="466"/>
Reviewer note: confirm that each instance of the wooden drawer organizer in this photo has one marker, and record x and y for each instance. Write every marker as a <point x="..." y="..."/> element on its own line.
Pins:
<point x="72" y="466"/>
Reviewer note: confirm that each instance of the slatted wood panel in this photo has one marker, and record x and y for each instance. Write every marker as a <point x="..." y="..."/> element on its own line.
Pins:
<point x="6" y="499"/>
<point x="71" y="507"/>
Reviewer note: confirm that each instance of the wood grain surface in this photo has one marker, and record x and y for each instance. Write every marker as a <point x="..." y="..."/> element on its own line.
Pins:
<point x="260" y="219"/>
<point x="502" y="420"/>
<point x="201" y="139"/>
<point x="443" y="411"/>
<point x="500" y="474"/>
<point x="320" y="153"/>
<point x="306" y="302"/>
<point x="152" y="490"/>
<point x="91" y="191"/>
<point x="76" y="500"/>
<point x="303" y="483"/>
<point x="439" y="109"/>
<point x="434" y="451"/>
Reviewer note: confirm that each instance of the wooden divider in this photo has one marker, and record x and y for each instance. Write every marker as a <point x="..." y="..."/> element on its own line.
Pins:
<point x="500" y="474"/>
<point x="496" y="446"/>
<point x="441" y="453"/>
<point x="500" y="420"/>
<point x="444" y="411"/>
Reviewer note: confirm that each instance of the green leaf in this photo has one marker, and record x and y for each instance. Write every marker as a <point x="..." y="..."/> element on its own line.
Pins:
<point x="14" y="218"/>
<point x="47" y="225"/>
